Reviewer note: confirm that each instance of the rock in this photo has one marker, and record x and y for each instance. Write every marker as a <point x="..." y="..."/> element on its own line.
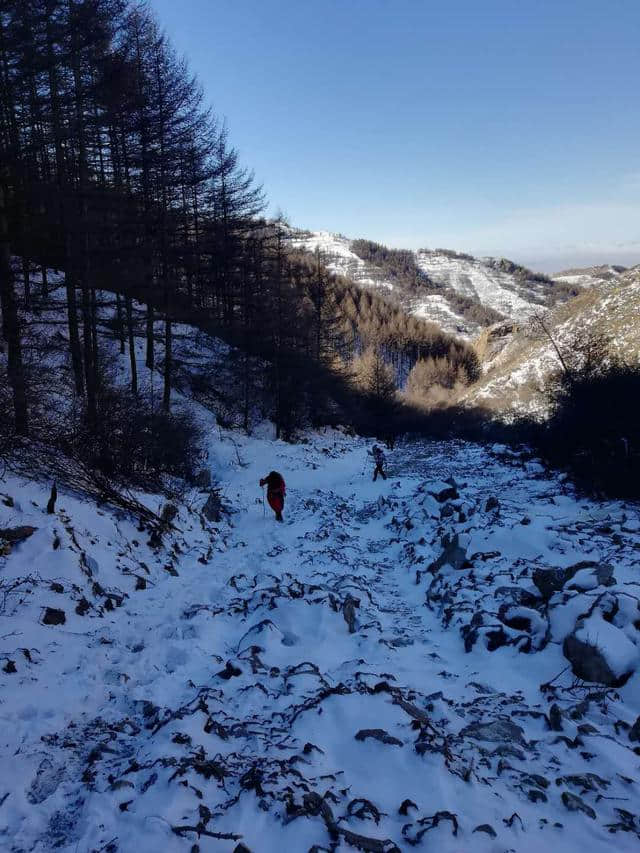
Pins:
<point x="9" y="667"/>
<point x="378" y="734"/>
<point x="555" y="718"/>
<point x="450" y="494"/>
<point x="525" y="520"/>
<point x="634" y="732"/>
<point x="537" y="796"/>
<point x="13" y="535"/>
<point x="576" y="804"/>
<point x="517" y="595"/>
<point x="349" y="612"/>
<point x="53" y="616"/>
<point x="486" y="827"/>
<point x="230" y="671"/>
<point x="589" y="578"/>
<point x="212" y="510"/>
<point x="453" y="555"/>
<point x="498" y="731"/>
<point x="405" y="806"/>
<point x="46" y="782"/>
<point x="492" y="503"/>
<point x="203" y="478"/>
<point x="600" y="652"/>
<point x="447" y="511"/>
<point x="549" y="581"/>
<point x="168" y="514"/>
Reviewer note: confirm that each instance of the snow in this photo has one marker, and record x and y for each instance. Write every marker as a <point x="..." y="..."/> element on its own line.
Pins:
<point x="475" y="278"/>
<point x="112" y="711"/>
<point x="619" y="652"/>
<point x="214" y="680"/>
<point x="337" y="256"/>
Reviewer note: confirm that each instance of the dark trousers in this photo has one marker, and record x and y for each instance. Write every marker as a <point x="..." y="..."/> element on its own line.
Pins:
<point x="379" y="471"/>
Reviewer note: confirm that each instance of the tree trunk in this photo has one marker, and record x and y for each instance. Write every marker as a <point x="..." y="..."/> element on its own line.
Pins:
<point x="132" y="346"/>
<point x="120" y="323"/>
<point x="11" y="325"/>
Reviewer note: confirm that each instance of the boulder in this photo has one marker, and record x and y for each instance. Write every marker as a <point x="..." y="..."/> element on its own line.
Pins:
<point x="498" y="731"/>
<point x="53" y="616"/>
<point x="549" y="581"/>
<point x="576" y="804"/>
<point x="634" y="732"/>
<point x="589" y="578"/>
<point x="203" y="478"/>
<point x="13" y="535"/>
<point x="453" y="555"/>
<point x="378" y="734"/>
<point x="600" y="652"/>
<point x="492" y="503"/>
<point x="212" y="510"/>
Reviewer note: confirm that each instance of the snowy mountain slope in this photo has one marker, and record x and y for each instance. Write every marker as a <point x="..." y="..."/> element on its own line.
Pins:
<point x="479" y="279"/>
<point x="316" y="682"/>
<point x="490" y="283"/>
<point x="517" y="363"/>
<point x="590" y="276"/>
<point x="338" y="257"/>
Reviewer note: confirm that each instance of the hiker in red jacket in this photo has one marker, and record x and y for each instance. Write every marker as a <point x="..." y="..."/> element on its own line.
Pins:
<point x="276" y="490"/>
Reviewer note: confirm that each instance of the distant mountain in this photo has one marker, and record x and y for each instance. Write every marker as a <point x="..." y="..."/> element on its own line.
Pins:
<point x="456" y="291"/>
<point x="590" y="276"/>
<point x="518" y="358"/>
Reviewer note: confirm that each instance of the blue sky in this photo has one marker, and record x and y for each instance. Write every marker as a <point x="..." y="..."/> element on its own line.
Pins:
<point x="505" y="127"/>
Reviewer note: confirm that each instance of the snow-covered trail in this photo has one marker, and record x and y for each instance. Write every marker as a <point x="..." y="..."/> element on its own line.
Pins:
<point x="288" y="687"/>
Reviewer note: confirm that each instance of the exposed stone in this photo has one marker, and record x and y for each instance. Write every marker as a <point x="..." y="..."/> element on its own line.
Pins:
<point x="349" y="612"/>
<point x="576" y="804"/>
<point x="589" y="662"/>
<point x="555" y="718"/>
<point x="212" y="510"/>
<point x="453" y="555"/>
<point x="498" y="731"/>
<point x="53" y="616"/>
<point x="492" y="503"/>
<point x="450" y="494"/>
<point x="601" y="575"/>
<point x="169" y="512"/>
<point x="634" y="732"/>
<point x="486" y="827"/>
<point x="203" y="478"/>
<point x="549" y="581"/>
<point x="13" y="535"/>
<point x="378" y="734"/>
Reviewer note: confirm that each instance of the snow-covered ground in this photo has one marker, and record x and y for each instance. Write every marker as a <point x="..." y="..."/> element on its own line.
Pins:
<point x="327" y="683"/>
<point x="335" y="250"/>
<point x="477" y="279"/>
<point x="474" y="278"/>
<point x="590" y="276"/>
<point x="515" y="376"/>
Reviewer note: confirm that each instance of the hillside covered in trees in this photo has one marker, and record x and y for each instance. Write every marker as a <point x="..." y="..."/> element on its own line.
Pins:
<point x="116" y="173"/>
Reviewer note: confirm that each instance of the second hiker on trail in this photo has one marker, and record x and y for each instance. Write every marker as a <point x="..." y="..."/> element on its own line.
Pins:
<point x="378" y="458"/>
<point x="276" y="490"/>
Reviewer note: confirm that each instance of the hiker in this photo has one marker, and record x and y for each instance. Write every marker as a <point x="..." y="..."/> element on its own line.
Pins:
<point x="378" y="458"/>
<point x="276" y="490"/>
<point x="390" y="441"/>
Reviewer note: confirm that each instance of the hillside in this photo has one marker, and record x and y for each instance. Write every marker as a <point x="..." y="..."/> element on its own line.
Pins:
<point x="237" y="681"/>
<point x="518" y="359"/>
<point x="590" y="276"/>
<point x="457" y="292"/>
